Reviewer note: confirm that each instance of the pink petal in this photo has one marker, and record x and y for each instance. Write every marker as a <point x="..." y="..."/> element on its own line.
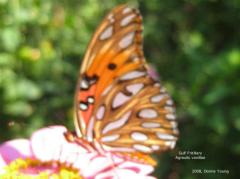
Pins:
<point x="13" y="149"/>
<point x="46" y="142"/>
<point x="139" y="168"/>
<point x="101" y="163"/>
<point x="2" y="161"/>
<point x="2" y="164"/>
<point x="70" y="152"/>
<point x="49" y="144"/>
<point x="83" y="162"/>
<point x="112" y="166"/>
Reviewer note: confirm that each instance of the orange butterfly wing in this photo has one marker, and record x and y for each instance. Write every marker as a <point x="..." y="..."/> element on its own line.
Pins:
<point x="118" y="104"/>
<point x="105" y="59"/>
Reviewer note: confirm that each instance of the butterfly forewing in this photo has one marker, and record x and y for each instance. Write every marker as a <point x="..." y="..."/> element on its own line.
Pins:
<point x="118" y="103"/>
<point x="114" y="49"/>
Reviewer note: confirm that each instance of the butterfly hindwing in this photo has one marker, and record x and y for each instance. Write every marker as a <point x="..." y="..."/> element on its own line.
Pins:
<point x="136" y="114"/>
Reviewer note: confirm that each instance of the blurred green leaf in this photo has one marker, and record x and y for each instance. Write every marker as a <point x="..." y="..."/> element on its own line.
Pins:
<point x="3" y="1"/>
<point x="236" y="149"/>
<point x="7" y="60"/>
<point x="234" y="57"/>
<point x="10" y="38"/>
<point x="18" y="108"/>
<point x="216" y="94"/>
<point x="30" y="53"/>
<point x="22" y="89"/>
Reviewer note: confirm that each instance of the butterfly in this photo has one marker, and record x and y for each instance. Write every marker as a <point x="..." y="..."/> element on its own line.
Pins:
<point x="118" y="105"/>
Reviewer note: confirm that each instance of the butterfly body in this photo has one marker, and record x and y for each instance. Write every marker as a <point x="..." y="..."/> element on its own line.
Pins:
<point x="119" y="106"/>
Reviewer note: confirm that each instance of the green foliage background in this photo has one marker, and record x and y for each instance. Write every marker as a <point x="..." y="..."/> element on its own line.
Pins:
<point x="195" y="45"/>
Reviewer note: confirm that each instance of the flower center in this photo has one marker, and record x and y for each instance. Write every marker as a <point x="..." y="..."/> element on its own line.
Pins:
<point x="24" y="168"/>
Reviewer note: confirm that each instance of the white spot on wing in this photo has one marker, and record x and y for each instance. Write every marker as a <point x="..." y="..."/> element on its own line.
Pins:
<point x="126" y="10"/>
<point x="148" y="113"/>
<point x="163" y="90"/>
<point x="142" y="148"/>
<point x="126" y="20"/>
<point x="150" y="125"/>
<point x="157" y="98"/>
<point x="100" y="112"/>
<point x="83" y="106"/>
<point x="135" y="88"/>
<point x="156" y="84"/>
<point x="165" y="136"/>
<point x="169" y="109"/>
<point x="132" y="75"/>
<point x="127" y="40"/>
<point x="120" y="99"/>
<point x="90" y="100"/>
<point x="106" y="33"/>
<point x="175" y="131"/>
<point x="116" y="124"/>
<point x="138" y="136"/>
<point x="136" y="59"/>
<point x="155" y="147"/>
<point x="169" y="102"/>
<point x="171" y="144"/>
<point x="84" y="84"/>
<point x="173" y="124"/>
<point x="110" y="138"/>
<point x="170" y="116"/>
<point x="90" y="130"/>
<point x="111" y="18"/>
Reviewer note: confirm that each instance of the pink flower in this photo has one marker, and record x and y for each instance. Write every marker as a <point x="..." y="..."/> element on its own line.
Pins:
<point x="49" y="153"/>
